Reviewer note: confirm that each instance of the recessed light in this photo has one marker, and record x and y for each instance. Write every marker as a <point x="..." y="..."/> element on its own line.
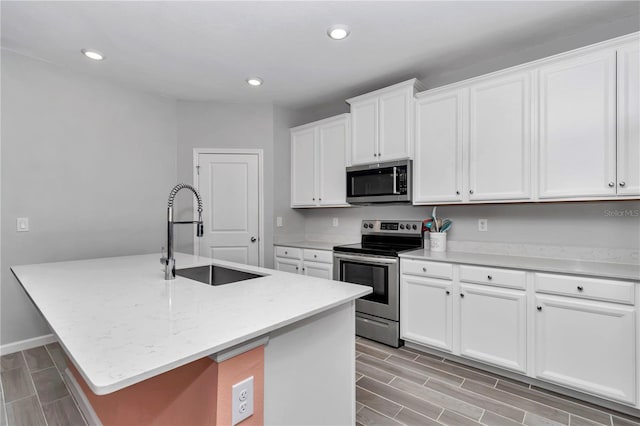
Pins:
<point x="338" y="32"/>
<point x="93" y="54"/>
<point x="254" y="81"/>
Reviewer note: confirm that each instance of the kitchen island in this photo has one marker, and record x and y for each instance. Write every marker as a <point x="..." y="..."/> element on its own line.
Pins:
<point x="126" y="329"/>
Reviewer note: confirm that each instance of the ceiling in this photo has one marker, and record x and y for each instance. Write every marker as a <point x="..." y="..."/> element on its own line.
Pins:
<point x="205" y="50"/>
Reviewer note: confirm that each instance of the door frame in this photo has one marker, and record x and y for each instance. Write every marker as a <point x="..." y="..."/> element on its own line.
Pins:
<point x="196" y="181"/>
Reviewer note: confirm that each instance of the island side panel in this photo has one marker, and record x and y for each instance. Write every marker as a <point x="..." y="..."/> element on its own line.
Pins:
<point x="310" y="371"/>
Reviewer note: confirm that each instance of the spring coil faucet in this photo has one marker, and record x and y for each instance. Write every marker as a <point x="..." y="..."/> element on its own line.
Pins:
<point x="169" y="262"/>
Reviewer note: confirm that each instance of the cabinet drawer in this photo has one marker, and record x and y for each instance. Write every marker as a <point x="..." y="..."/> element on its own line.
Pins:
<point x="427" y="269"/>
<point x="290" y="252"/>
<point x="588" y="288"/>
<point x="493" y="276"/>
<point x="318" y="255"/>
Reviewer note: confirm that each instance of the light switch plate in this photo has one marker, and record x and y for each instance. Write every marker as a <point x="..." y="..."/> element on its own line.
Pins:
<point x="483" y="225"/>
<point x="22" y="224"/>
<point x="335" y="222"/>
<point x="279" y="221"/>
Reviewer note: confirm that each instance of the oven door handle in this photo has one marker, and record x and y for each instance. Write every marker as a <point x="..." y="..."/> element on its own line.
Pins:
<point x="365" y="259"/>
<point x="395" y="181"/>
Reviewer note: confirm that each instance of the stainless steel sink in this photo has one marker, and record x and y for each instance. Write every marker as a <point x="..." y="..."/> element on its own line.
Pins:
<point x="215" y="275"/>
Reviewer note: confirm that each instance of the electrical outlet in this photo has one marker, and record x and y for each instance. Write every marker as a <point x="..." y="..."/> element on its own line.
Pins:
<point x="242" y="400"/>
<point x="335" y="222"/>
<point x="483" y="225"/>
<point x="22" y="224"/>
<point x="279" y="221"/>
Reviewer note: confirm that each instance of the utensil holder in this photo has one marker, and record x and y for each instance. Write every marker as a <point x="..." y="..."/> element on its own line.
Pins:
<point x="438" y="241"/>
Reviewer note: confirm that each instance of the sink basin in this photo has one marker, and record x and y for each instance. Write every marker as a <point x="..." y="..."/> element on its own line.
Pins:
<point x="215" y="275"/>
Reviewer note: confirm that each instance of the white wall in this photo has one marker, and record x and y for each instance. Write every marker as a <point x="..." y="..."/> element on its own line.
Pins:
<point x="224" y="125"/>
<point x="89" y="163"/>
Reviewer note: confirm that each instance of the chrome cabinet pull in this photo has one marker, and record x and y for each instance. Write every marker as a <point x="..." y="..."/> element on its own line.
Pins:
<point x="253" y="239"/>
<point x="580" y="288"/>
<point x="489" y="277"/>
<point x="471" y="191"/>
<point x="539" y="308"/>
<point x="448" y="292"/>
<point x="424" y="269"/>
<point x="461" y="294"/>
<point x="622" y="184"/>
<point x="611" y="184"/>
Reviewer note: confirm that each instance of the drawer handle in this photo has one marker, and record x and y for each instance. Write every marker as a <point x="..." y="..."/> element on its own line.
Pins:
<point x="461" y="294"/>
<point x="448" y="292"/>
<point x="286" y="252"/>
<point x="315" y="255"/>
<point x="489" y="277"/>
<point x="539" y="308"/>
<point x="424" y="269"/>
<point x="580" y="288"/>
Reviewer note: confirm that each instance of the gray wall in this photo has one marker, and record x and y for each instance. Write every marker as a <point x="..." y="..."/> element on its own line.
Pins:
<point x="225" y="125"/>
<point x="89" y="163"/>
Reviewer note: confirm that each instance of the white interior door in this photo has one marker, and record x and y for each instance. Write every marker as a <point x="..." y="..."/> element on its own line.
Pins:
<point x="230" y="188"/>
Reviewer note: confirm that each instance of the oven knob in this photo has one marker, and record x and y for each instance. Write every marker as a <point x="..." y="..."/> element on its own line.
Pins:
<point x="401" y="226"/>
<point x="408" y="226"/>
<point x="371" y="225"/>
<point x="366" y="225"/>
<point x="415" y="226"/>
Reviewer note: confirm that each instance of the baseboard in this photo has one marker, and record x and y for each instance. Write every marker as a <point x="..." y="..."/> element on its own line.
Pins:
<point x="22" y="345"/>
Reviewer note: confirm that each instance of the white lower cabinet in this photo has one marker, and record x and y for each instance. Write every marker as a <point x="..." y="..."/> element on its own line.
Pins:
<point x="314" y="263"/>
<point x="573" y="331"/>
<point x="493" y="326"/>
<point x="426" y="315"/>
<point x="288" y="265"/>
<point x="319" y="270"/>
<point x="587" y="345"/>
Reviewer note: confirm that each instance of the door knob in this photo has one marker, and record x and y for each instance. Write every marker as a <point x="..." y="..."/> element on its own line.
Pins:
<point x="254" y="239"/>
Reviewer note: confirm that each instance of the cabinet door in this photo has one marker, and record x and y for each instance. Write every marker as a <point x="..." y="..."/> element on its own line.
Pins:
<point x="426" y="311"/>
<point x="629" y="119"/>
<point x="364" y="133"/>
<point x="316" y="269"/>
<point x="577" y="136"/>
<point x="500" y="138"/>
<point x="288" y="265"/>
<point x="396" y="118"/>
<point x="587" y="345"/>
<point x="437" y="161"/>
<point x="332" y="143"/>
<point x="493" y="326"/>
<point x="303" y="168"/>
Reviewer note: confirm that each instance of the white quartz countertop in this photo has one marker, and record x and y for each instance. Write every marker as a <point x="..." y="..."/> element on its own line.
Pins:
<point x="314" y="245"/>
<point x="120" y="322"/>
<point x="565" y="266"/>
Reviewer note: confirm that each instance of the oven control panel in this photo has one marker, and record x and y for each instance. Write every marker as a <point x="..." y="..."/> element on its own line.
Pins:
<point x="413" y="227"/>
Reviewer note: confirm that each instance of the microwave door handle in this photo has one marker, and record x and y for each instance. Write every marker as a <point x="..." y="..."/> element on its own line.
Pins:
<point x="395" y="181"/>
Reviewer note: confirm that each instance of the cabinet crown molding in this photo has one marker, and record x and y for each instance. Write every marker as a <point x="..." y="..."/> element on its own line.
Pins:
<point x="414" y="82"/>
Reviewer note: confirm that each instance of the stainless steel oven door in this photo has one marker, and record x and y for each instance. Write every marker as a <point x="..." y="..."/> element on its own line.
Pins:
<point x="380" y="273"/>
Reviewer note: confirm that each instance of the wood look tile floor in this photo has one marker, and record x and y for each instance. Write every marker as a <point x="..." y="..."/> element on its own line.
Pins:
<point x="407" y="387"/>
<point x="33" y="392"/>
<point x="393" y="387"/>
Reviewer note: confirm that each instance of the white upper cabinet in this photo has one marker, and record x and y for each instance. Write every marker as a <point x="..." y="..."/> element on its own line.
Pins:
<point x="382" y="124"/>
<point x="577" y="130"/>
<point x="437" y="171"/>
<point x="628" y="176"/>
<point x="303" y="166"/>
<point x="318" y="163"/>
<point x="364" y="140"/>
<point x="500" y="138"/>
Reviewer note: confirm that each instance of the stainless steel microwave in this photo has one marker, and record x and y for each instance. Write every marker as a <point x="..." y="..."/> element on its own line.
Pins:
<point x="379" y="183"/>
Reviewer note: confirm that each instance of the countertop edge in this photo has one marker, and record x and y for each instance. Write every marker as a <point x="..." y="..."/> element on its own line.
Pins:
<point x="423" y="254"/>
